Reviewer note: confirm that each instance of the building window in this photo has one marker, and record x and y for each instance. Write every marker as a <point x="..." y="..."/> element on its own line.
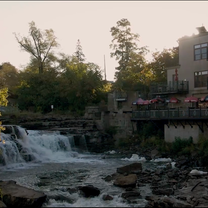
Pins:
<point x="200" y="51"/>
<point x="200" y="79"/>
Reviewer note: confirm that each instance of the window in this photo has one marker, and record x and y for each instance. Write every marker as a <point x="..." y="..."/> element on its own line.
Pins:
<point x="200" y="51"/>
<point x="200" y="79"/>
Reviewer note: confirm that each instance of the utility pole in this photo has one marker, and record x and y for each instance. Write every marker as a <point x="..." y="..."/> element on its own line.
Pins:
<point x="104" y="68"/>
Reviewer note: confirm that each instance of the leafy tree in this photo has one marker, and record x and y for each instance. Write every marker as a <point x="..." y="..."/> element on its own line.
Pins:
<point x="131" y="58"/>
<point x="162" y="60"/>
<point x="9" y="77"/>
<point x="39" y="44"/>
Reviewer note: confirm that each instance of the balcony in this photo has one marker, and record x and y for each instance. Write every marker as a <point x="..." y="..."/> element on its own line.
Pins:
<point x="176" y="87"/>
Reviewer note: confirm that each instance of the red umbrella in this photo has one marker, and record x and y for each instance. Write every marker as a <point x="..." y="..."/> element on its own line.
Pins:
<point x="204" y="99"/>
<point x="191" y="99"/>
<point x="157" y="100"/>
<point x="139" y="101"/>
<point x="174" y="100"/>
<point x="154" y="100"/>
<point x="146" y="102"/>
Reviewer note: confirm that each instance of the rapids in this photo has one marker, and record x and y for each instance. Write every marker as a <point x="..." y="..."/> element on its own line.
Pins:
<point x="50" y="162"/>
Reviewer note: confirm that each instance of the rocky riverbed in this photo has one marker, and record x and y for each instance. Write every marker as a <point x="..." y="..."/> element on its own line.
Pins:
<point x="172" y="184"/>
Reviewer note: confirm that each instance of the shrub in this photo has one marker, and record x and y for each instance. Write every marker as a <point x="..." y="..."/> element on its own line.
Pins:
<point x="180" y="145"/>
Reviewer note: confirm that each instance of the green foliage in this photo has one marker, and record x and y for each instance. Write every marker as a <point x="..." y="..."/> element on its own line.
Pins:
<point x="181" y="145"/>
<point x="131" y="59"/>
<point x="162" y="60"/>
<point x="203" y="146"/>
<point x="112" y="130"/>
<point x="124" y="143"/>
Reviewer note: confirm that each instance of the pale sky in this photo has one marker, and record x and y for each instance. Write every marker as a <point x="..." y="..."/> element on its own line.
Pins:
<point x="160" y="24"/>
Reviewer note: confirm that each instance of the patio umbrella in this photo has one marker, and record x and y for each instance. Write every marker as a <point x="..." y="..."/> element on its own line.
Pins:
<point x="146" y="102"/>
<point x="139" y="101"/>
<point x="174" y="100"/>
<point x="204" y="99"/>
<point x="157" y="100"/>
<point x="191" y="99"/>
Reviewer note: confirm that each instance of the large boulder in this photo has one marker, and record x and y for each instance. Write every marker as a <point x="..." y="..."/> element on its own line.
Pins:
<point x="15" y="195"/>
<point x="89" y="191"/>
<point x="133" y="168"/>
<point x="126" y="181"/>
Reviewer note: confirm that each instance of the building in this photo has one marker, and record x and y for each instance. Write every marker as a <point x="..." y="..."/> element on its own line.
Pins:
<point x="188" y="78"/>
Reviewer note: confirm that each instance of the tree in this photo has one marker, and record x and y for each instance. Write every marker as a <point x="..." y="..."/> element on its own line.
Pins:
<point x="39" y="44"/>
<point x="9" y="77"/>
<point x="162" y="60"/>
<point x="130" y="58"/>
<point x="3" y="102"/>
<point x="79" y="54"/>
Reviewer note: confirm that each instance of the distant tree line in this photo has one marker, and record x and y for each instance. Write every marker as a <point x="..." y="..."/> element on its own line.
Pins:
<point x="69" y="82"/>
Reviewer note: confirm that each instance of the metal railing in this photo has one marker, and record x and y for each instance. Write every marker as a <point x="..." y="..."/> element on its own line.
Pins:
<point x="172" y="87"/>
<point x="178" y="113"/>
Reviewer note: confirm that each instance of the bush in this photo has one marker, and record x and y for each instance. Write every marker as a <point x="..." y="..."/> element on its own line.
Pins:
<point x="181" y="145"/>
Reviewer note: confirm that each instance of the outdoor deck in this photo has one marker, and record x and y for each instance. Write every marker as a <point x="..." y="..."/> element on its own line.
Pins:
<point x="171" y="114"/>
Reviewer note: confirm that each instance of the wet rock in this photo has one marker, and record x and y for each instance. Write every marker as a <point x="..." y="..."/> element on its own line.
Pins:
<point x="165" y="202"/>
<point x="163" y="191"/>
<point x="60" y="197"/>
<point x="72" y="190"/>
<point x="155" y="154"/>
<point x="15" y="195"/>
<point x="129" y="195"/>
<point x="126" y="181"/>
<point x="133" y="168"/>
<point x="89" y="191"/>
<point x="111" y="177"/>
<point x="107" y="197"/>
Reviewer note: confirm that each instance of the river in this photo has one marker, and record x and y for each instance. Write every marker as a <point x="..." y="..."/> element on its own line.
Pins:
<point x="57" y="167"/>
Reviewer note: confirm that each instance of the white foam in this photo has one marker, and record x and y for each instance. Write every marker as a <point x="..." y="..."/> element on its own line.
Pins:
<point x="161" y="160"/>
<point x="135" y="157"/>
<point x="198" y="172"/>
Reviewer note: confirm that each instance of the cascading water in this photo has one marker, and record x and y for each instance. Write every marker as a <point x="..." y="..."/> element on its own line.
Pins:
<point x="48" y="162"/>
<point x="39" y="146"/>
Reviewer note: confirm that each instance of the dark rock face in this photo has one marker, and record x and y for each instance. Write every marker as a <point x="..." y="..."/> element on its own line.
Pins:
<point x="15" y="195"/>
<point x="133" y="168"/>
<point x="89" y="191"/>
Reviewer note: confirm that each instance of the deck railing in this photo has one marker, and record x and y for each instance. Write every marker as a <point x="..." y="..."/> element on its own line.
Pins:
<point x="178" y="113"/>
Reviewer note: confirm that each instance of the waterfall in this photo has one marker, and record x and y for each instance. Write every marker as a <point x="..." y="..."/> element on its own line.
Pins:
<point x="37" y="146"/>
<point x="9" y="152"/>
